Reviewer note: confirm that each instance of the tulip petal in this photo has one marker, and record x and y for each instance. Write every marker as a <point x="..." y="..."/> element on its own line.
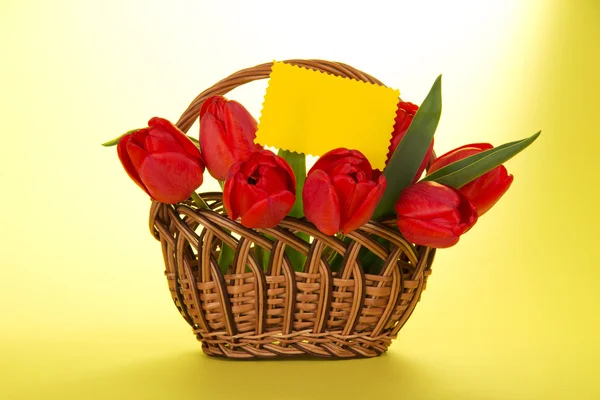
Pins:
<point x="137" y="154"/>
<point x="176" y="135"/>
<point x="251" y="165"/>
<point x="155" y="144"/>
<point x="161" y="129"/>
<point x="485" y="191"/>
<point x="341" y="156"/>
<point x="428" y="200"/>
<point x="364" y="203"/>
<point x="248" y="195"/>
<point x="216" y="151"/>
<point x="434" y="215"/>
<point x="331" y="157"/>
<point x="458" y="154"/>
<point x="480" y="146"/>
<point x="240" y="124"/>
<point x="426" y="233"/>
<point x="268" y="212"/>
<point x="351" y="203"/>
<point x="376" y="174"/>
<point x="273" y="180"/>
<point x="405" y="112"/>
<point x="321" y="205"/>
<point x="126" y="162"/>
<point x="424" y="163"/>
<point x="468" y="215"/>
<point x="230" y="201"/>
<point x="213" y="105"/>
<point x="170" y="177"/>
<point x="344" y="187"/>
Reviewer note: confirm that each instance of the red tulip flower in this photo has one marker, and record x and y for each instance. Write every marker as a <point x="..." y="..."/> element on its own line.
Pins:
<point x="404" y="116"/>
<point x="227" y="133"/>
<point x="484" y="191"/>
<point x="162" y="161"/>
<point x="340" y="193"/>
<point x="434" y="215"/>
<point x="261" y="190"/>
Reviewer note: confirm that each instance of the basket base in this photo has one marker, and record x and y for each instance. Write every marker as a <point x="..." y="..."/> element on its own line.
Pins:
<point x="327" y="345"/>
<point x="251" y="310"/>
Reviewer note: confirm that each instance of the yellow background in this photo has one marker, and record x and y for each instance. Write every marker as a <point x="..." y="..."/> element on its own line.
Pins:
<point x="511" y="312"/>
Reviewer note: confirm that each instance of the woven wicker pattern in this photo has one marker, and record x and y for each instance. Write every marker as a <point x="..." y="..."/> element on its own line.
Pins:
<point x="250" y="311"/>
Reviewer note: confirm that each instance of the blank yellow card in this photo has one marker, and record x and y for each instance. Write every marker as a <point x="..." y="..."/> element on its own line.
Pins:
<point x="313" y="112"/>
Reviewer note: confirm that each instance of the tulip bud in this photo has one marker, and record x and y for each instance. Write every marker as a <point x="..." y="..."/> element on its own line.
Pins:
<point x="404" y="116"/>
<point x="340" y="193"/>
<point x="484" y="191"/>
<point x="227" y="133"/>
<point x="162" y="161"/>
<point x="434" y="215"/>
<point x="260" y="190"/>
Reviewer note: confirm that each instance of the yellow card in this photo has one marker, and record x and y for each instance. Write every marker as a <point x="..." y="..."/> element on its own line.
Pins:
<point x="312" y="112"/>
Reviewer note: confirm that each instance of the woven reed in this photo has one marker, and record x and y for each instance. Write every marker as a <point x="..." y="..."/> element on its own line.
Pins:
<point x="250" y="312"/>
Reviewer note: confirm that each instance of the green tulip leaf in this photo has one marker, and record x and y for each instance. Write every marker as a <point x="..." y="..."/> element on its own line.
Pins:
<point x="193" y="139"/>
<point x="463" y="171"/>
<point x="116" y="140"/>
<point x="411" y="150"/>
<point x="297" y="162"/>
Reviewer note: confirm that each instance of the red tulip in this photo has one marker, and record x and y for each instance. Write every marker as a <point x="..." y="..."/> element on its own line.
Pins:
<point x="340" y="193"/>
<point x="434" y="215"/>
<point x="484" y="191"/>
<point x="404" y="116"/>
<point x="261" y="190"/>
<point x="227" y="133"/>
<point x="162" y="161"/>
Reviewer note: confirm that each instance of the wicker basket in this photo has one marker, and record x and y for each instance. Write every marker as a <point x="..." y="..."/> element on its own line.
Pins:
<point x="250" y="311"/>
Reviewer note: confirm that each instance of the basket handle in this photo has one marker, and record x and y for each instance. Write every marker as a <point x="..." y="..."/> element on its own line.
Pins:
<point x="263" y="71"/>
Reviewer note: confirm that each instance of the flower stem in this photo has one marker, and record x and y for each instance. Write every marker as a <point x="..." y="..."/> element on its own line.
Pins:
<point x="199" y="201"/>
<point x="225" y="257"/>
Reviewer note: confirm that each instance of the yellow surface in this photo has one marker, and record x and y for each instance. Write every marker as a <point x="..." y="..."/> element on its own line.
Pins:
<point x="511" y="312"/>
<point x="311" y="112"/>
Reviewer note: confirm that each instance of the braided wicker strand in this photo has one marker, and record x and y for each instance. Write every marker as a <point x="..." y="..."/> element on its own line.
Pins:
<point x="249" y="312"/>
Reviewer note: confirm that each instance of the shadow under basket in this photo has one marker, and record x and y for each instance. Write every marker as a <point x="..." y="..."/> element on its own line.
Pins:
<point x="258" y="305"/>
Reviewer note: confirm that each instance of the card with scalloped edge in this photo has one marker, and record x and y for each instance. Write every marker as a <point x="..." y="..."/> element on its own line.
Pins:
<point x="312" y="112"/>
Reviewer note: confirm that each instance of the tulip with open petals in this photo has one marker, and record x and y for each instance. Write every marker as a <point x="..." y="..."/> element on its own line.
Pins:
<point x="260" y="190"/>
<point x="340" y="193"/>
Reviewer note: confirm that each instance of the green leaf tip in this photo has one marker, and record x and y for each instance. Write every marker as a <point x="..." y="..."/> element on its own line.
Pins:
<point x="411" y="150"/>
<point x="461" y="172"/>
<point x="116" y="140"/>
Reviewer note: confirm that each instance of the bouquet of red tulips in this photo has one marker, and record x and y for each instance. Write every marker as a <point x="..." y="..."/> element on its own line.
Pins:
<point x="331" y="261"/>
<point x="341" y="192"/>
